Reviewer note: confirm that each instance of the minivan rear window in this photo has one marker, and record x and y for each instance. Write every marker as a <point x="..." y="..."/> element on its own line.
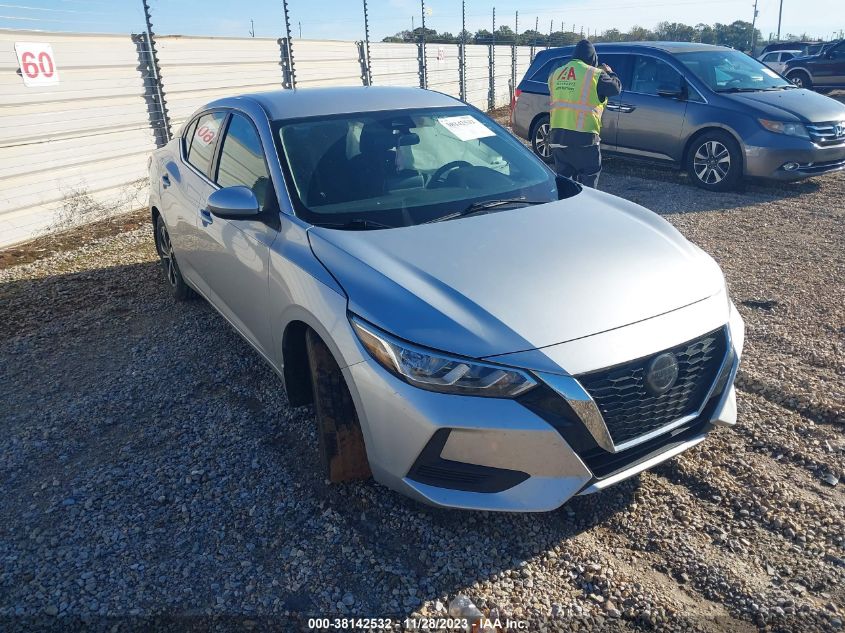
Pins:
<point x="542" y="73"/>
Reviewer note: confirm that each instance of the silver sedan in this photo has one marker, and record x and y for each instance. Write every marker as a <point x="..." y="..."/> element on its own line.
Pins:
<point x="472" y="331"/>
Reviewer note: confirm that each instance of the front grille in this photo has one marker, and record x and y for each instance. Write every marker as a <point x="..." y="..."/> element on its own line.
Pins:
<point x="829" y="133"/>
<point x="630" y="411"/>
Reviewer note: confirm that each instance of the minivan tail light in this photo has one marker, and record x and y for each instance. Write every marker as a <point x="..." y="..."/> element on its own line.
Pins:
<point x="516" y="94"/>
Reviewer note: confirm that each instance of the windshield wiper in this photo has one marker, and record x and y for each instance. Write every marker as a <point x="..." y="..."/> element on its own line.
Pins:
<point x="735" y="89"/>
<point x="355" y="224"/>
<point x="485" y="205"/>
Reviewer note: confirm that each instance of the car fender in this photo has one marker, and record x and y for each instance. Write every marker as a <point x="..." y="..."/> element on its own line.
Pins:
<point x="709" y="124"/>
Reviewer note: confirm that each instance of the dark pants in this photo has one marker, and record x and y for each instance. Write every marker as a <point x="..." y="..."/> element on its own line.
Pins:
<point x="581" y="164"/>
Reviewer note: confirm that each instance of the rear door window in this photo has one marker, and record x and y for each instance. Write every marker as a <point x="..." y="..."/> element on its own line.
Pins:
<point x="203" y="141"/>
<point x="621" y="65"/>
<point x="542" y="73"/>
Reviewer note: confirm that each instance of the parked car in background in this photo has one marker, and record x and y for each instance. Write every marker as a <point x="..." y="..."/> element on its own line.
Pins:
<point x="713" y="111"/>
<point x="472" y="330"/>
<point x="776" y="60"/>
<point x="802" y="47"/>
<point x="823" y="71"/>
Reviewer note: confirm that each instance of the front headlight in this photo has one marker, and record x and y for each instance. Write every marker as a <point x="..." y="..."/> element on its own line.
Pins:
<point x="781" y="127"/>
<point x="434" y="371"/>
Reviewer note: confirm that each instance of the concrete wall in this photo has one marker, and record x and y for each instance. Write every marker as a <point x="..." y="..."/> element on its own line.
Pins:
<point x="77" y="151"/>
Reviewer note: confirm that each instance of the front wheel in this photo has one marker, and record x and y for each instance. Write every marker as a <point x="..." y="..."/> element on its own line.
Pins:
<point x="540" y="138"/>
<point x="801" y="79"/>
<point x="714" y="161"/>
<point x="341" y="442"/>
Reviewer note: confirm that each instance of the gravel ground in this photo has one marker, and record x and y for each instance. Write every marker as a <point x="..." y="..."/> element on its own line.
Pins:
<point x="153" y="475"/>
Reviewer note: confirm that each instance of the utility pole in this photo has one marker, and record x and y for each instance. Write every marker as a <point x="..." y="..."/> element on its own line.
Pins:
<point x="780" y="15"/>
<point x="251" y="27"/>
<point x="753" y="27"/>
<point x="551" y="30"/>
<point x="300" y="29"/>
<point x="516" y="29"/>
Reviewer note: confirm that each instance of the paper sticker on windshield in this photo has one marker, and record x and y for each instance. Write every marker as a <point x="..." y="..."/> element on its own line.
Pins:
<point x="466" y="127"/>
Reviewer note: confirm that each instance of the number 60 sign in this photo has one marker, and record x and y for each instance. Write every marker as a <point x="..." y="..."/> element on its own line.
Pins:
<point x="38" y="66"/>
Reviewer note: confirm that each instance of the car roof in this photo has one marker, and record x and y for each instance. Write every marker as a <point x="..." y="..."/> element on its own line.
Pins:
<point x="307" y="102"/>
<point x="628" y="47"/>
<point x="668" y="47"/>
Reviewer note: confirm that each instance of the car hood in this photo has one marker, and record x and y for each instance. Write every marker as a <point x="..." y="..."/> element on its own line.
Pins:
<point x="804" y="105"/>
<point x="518" y="279"/>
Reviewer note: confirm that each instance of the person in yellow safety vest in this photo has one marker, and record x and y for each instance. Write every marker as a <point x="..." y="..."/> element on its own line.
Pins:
<point x="579" y="91"/>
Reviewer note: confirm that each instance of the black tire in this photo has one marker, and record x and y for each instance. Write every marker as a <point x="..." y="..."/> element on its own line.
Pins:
<point x="714" y="161"/>
<point x="540" y="139"/>
<point x="181" y="290"/>
<point x="801" y="79"/>
<point x="341" y="442"/>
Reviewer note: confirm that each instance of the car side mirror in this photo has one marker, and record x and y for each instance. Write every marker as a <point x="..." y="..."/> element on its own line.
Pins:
<point x="234" y="203"/>
<point x="566" y="187"/>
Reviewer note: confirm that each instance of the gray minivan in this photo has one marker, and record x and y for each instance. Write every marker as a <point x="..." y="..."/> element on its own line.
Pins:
<point x="713" y="111"/>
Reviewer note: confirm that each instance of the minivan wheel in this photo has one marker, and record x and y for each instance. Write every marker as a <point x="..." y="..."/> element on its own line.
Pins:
<point x="540" y="138"/>
<point x="341" y="443"/>
<point x="801" y="79"/>
<point x="714" y="161"/>
<point x="181" y="290"/>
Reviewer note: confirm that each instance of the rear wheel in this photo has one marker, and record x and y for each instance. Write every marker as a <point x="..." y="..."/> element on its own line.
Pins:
<point x="341" y="442"/>
<point x="181" y="290"/>
<point x="714" y="161"/>
<point x="801" y="79"/>
<point x="540" y="138"/>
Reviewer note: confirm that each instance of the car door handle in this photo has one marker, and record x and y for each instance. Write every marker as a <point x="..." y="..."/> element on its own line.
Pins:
<point x="205" y="216"/>
<point x="165" y="181"/>
<point x="613" y="107"/>
<point x="626" y="107"/>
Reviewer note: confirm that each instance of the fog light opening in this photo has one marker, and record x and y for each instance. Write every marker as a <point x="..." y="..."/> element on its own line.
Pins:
<point x="791" y="166"/>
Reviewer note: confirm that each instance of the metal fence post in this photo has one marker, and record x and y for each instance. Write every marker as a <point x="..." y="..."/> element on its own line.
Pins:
<point x="491" y="93"/>
<point x="286" y="46"/>
<point x="514" y="52"/>
<point x="366" y="70"/>
<point x="363" y="61"/>
<point x="462" y="54"/>
<point x="491" y="65"/>
<point x="462" y="73"/>
<point x="153" y="88"/>
<point x="421" y="45"/>
<point x="286" y="50"/>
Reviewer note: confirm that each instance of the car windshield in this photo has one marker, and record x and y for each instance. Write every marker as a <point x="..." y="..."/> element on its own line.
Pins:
<point x="405" y="167"/>
<point x="732" y="71"/>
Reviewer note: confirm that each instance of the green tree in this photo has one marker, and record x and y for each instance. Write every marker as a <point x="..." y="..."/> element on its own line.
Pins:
<point x="674" y="32"/>
<point x="640" y="34"/>
<point x="482" y="36"/>
<point x="705" y="34"/>
<point x="611" y="35"/>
